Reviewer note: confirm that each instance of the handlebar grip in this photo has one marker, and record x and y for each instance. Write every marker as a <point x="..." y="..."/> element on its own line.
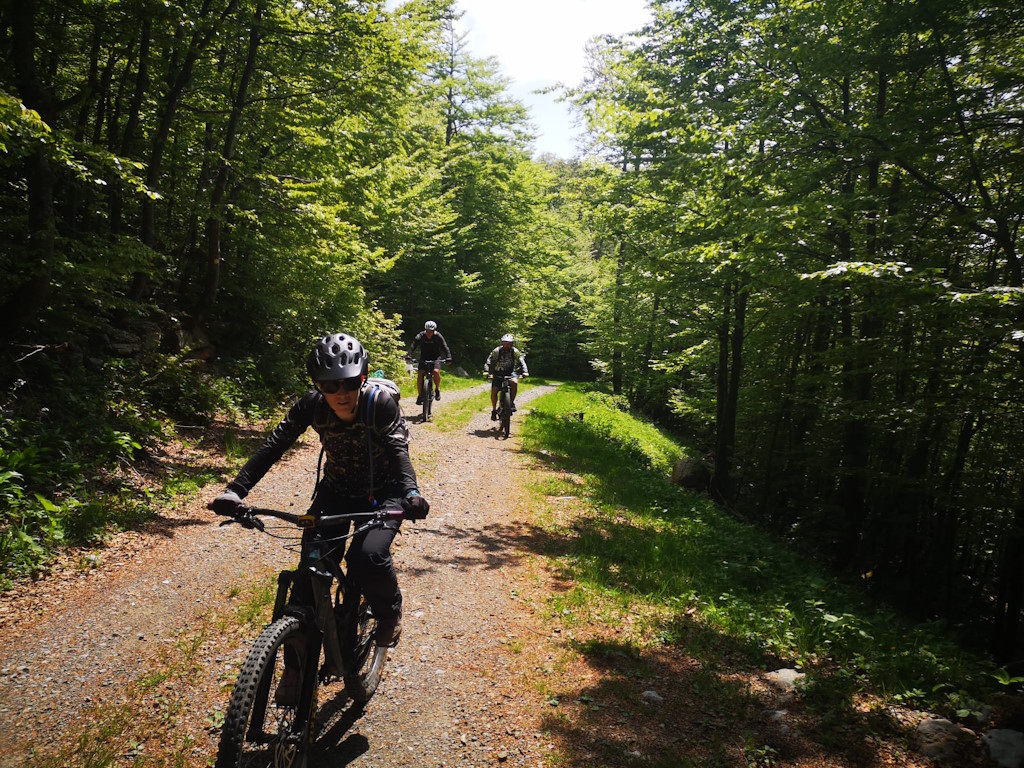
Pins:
<point x="243" y="516"/>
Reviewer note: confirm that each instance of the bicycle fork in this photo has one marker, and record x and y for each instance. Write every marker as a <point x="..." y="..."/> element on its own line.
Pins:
<point x="324" y="619"/>
<point x="256" y="733"/>
<point x="314" y="642"/>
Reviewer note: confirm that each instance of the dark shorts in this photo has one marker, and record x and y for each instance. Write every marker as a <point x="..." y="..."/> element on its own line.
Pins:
<point x="430" y="365"/>
<point x="497" y="378"/>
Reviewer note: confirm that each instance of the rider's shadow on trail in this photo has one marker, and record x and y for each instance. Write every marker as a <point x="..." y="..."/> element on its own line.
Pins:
<point x="333" y="748"/>
<point x="488" y="432"/>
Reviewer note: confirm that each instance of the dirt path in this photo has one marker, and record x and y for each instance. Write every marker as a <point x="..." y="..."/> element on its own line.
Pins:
<point x="454" y="693"/>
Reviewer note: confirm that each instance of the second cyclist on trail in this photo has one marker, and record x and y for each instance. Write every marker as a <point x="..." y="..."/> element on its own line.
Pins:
<point x="433" y="351"/>
<point x="502" y="363"/>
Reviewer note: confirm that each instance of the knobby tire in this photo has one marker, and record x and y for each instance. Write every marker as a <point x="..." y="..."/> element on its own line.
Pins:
<point x="428" y="396"/>
<point x="506" y="412"/>
<point x="365" y="658"/>
<point x="255" y="729"/>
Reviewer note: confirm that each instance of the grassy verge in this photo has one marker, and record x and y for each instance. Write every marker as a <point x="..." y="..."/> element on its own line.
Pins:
<point x="457" y="414"/>
<point x="449" y="383"/>
<point x="661" y="584"/>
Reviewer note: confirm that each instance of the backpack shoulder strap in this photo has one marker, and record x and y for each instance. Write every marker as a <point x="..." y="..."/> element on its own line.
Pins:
<point x="321" y="415"/>
<point x="376" y="399"/>
<point x="378" y="406"/>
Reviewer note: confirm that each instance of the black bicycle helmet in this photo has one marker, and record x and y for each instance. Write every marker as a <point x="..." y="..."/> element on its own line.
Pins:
<point x="338" y="356"/>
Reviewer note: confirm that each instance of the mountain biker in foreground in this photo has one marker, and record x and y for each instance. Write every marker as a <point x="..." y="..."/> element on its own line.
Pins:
<point x="366" y="445"/>
<point x="503" y="362"/>
<point x="433" y="349"/>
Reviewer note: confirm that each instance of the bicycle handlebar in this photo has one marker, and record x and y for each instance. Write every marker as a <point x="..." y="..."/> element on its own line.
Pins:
<point x="248" y="517"/>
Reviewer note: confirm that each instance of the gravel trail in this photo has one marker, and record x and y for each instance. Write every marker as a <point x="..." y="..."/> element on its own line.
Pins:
<point x="453" y="693"/>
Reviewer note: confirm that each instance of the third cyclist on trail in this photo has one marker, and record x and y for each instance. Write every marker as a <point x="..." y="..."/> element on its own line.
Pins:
<point x="433" y="350"/>
<point x="502" y="363"/>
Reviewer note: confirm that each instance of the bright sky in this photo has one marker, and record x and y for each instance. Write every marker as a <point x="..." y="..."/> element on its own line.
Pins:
<point x="539" y="43"/>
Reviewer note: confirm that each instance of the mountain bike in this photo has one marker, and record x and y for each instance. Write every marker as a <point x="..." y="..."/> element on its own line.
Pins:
<point x="257" y="729"/>
<point x="428" y="388"/>
<point x="504" y="404"/>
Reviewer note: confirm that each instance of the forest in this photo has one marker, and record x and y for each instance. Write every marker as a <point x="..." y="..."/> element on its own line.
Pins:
<point x="792" y="239"/>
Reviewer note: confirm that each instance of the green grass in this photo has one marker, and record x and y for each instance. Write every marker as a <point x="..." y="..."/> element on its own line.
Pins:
<point x="449" y="382"/>
<point x="456" y="414"/>
<point x="255" y="609"/>
<point x="452" y="383"/>
<point x="236" y="449"/>
<point x="711" y="583"/>
<point x="188" y="483"/>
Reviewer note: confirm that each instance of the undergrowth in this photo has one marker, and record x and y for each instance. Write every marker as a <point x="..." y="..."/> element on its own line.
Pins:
<point x="73" y="440"/>
<point x="705" y="581"/>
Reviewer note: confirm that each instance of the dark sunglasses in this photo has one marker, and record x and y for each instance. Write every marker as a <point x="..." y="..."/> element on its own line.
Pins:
<point x="333" y="387"/>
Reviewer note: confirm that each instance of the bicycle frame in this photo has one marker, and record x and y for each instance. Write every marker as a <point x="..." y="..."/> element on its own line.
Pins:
<point x="431" y="365"/>
<point x="504" y="403"/>
<point x="331" y="613"/>
<point x="322" y="623"/>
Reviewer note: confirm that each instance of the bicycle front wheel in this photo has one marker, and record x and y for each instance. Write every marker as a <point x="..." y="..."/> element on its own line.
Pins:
<point x="258" y="731"/>
<point x="428" y="397"/>
<point x="365" y="658"/>
<point x="506" y="412"/>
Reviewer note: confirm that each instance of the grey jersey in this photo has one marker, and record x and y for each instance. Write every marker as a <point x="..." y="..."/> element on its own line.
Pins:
<point x="506" y="361"/>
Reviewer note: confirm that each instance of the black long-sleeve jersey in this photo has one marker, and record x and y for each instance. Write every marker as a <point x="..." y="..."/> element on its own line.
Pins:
<point x="347" y="447"/>
<point x="431" y="349"/>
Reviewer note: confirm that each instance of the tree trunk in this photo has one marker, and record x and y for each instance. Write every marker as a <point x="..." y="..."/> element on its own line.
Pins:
<point x="127" y="146"/>
<point x="643" y="378"/>
<point x="179" y="80"/>
<point x="73" y="199"/>
<point x="736" y="368"/>
<point x="784" y="419"/>
<point x="1003" y="235"/>
<point x="617" y="331"/>
<point x="213" y="221"/>
<point x="730" y="365"/>
<point x="1010" y="590"/>
<point x="31" y="296"/>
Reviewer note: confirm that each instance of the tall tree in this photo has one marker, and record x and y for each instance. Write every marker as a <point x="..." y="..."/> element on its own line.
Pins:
<point x="850" y="164"/>
<point x="32" y="286"/>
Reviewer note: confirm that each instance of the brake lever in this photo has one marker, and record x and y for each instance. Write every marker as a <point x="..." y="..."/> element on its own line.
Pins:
<point x="246" y="521"/>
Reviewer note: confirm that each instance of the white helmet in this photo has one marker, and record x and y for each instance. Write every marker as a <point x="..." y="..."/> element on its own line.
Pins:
<point x="508" y="337"/>
<point x="430" y="325"/>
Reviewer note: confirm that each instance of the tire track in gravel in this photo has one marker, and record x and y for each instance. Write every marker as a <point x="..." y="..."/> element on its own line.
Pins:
<point x="452" y="693"/>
